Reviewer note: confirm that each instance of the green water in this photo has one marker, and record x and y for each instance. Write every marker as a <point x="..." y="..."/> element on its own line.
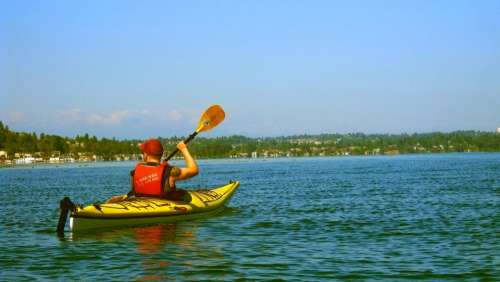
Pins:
<point x="418" y="217"/>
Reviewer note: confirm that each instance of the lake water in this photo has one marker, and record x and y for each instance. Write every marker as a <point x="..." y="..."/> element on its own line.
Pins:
<point x="415" y="217"/>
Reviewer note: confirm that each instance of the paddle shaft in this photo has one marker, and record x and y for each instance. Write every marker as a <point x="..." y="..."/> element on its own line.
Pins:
<point x="191" y="137"/>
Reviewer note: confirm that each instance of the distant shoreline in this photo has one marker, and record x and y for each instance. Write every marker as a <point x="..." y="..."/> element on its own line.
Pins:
<point x="20" y="148"/>
<point x="84" y="163"/>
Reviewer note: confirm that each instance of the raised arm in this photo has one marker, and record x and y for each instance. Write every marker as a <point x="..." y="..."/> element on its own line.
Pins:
<point x="191" y="168"/>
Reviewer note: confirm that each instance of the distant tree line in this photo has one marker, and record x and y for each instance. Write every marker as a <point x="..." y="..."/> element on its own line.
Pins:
<point x="46" y="145"/>
<point x="340" y="144"/>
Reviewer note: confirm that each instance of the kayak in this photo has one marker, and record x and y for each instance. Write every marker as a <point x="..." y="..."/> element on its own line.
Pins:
<point x="145" y="210"/>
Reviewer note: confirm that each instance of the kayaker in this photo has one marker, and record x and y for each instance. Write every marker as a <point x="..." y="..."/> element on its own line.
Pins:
<point x="154" y="178"/>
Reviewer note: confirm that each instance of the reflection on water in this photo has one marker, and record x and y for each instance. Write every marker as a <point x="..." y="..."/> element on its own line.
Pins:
<point x="163" y="251"/>
<point x="152" y="245"/>
<point x="151" y="239"/>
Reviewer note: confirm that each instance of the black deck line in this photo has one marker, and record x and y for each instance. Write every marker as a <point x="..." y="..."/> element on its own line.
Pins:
<point x="149" y="216"/>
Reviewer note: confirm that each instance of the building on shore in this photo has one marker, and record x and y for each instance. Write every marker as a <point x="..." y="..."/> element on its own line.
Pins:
<point x="54" y="159"/>
<point x="25" y="160"/>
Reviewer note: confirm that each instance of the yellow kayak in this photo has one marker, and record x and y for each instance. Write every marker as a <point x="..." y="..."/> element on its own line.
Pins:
<point x="143" y="210"/>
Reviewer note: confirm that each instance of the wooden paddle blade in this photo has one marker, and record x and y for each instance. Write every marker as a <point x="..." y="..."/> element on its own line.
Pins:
<point x="211" y="118"/>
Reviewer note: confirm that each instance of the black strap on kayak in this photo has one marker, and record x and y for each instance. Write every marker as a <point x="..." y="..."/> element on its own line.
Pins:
<point x="65" y="205"/>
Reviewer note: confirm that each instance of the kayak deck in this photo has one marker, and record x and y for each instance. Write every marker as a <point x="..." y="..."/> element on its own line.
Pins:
<point x="145" y="210"/>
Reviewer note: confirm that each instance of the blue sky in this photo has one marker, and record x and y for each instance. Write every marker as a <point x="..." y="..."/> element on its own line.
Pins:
<point x="135" y="69"/>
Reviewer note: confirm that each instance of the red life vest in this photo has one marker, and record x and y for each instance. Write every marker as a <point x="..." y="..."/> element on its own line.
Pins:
<point x="149" y="180"/>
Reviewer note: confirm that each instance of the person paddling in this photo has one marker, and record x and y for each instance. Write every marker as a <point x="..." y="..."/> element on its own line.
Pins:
<point x="154" y="178"/>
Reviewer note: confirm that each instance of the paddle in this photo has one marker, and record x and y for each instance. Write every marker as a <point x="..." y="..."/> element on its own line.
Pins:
<point x="208" y="120"/>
